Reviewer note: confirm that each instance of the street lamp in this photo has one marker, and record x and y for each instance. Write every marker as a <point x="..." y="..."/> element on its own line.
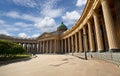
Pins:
<point x="84" y="36"/>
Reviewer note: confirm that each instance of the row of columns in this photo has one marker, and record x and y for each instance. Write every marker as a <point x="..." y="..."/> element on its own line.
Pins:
<point x="30" y="47"/>
<point x="86" y="40"/>
<point x="48" y="46"/>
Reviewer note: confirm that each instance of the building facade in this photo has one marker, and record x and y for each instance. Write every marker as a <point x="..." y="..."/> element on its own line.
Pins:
<point x="97" y="32"/>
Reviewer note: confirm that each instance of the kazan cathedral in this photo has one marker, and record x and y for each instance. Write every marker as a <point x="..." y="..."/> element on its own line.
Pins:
<point x="96" y="32"/>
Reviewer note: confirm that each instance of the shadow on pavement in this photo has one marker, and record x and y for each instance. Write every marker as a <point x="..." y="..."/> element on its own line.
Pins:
<point x="79" y="57"/>
<point x="57" y="65"/>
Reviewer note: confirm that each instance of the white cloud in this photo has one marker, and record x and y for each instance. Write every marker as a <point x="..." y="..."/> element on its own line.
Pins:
<point x="47" y="24"/>
<point x="26" y="3"/>
<point x="23" y="35"/>
<point x="12" y="29"/>
<point x="17" y="15"/>
<point x="9" y="27"/>
<point x="13" y="14"/>
<point x="30" y="18"/>
<point x="81" y="3"/>
<point x="48" y="9"/>
<point x="2" y="21"/>
<point x="35" y="35"/>
<point x="70" y="17"/>
<point x="4" y="32"/>
<point x="22" y="24"/>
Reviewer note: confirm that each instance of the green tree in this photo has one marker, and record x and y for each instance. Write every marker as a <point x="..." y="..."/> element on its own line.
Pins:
<point x="8" y="48"/>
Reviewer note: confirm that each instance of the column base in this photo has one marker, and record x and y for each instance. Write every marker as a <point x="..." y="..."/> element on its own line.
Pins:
<point x="100" y="51"/>
<point x="81" y="51"/>
<point x="114" y="50"/>
<point x="92" y="51"/>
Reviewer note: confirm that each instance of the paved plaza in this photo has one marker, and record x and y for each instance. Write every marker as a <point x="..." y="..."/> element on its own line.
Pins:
<point x="59" y="65"/>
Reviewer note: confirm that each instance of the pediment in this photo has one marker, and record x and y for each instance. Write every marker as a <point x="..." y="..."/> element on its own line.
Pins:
<point x="44" y="35"/>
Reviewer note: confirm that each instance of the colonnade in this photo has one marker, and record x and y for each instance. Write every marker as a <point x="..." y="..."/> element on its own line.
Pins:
<point x="30" y="47"/>
<point x="97" y="34"/>
<point x="48" y="46"/>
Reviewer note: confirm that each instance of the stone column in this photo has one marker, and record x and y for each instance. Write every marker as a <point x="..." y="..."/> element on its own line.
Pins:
<point x="80" y="42"/>
<point x="85" y="39"/>
<point x="68" y="44"/>
<point x="65" y="45"/>
<point x="54" y="46"/>
<point x="62" y="46"/>
<point x="43" y="47"/>
<point x="32" y="47"/>
<point x="76" y="45"/>
<point x="29" y="47"/>
<point x="91" y="39"/>
<point x="50" y="46"/>
<point x="110" y="27"/>
<point x="98" y="33"/>
<point x="35" y="47"/>
<point x="47" y="46"/>
<point x="72" y="44"/>
<point x="58" y="47"/>
<point x="25" y="46"/>
<point x="40" y="46"/>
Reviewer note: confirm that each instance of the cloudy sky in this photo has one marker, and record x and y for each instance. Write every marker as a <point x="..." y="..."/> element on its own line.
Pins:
<point x="30" y="18"/>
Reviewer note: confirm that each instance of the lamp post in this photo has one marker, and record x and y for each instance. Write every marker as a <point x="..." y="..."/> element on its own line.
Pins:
<point x="85" y="53"/>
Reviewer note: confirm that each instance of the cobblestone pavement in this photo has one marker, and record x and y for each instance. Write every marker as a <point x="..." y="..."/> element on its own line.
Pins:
<point x="59" y="65"/>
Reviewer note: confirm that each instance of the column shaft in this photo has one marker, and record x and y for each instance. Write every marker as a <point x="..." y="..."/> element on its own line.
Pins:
<point x="109" y="24"/>
<point x="72" y="44"/>
<point x="62" y="45"/>
<point x="85" y="39"/>
<point x="65" y="45"/>
<point x="76" y="43"/>
<point x="91" y="39"/>
<point x="68" y="44"/>
<point x="50" y="46"/>
<point x="40" y="47"/>
<point x="54" y="46"/>
<point x="98" y="33"/>
<point x="80" y="42"/>
<point x="47" y="47"/>
<point x="43" y="47"/>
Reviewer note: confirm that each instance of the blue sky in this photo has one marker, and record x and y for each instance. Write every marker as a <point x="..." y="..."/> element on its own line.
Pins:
<point x="30" y="18"/>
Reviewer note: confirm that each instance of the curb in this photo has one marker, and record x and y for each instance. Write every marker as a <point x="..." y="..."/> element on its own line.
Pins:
<point x="14" y="60"/>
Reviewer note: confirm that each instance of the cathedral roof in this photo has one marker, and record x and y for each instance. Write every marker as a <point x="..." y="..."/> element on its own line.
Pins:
<point x="62" y="27"/>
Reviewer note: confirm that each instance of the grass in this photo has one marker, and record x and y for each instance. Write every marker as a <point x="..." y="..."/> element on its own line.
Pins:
<point x="13" y="57"/>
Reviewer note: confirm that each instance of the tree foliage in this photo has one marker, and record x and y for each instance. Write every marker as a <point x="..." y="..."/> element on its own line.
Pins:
<point x="10" y="48"/>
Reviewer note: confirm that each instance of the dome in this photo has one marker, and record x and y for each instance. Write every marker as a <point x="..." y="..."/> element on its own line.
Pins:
<point x="62" y="27"/>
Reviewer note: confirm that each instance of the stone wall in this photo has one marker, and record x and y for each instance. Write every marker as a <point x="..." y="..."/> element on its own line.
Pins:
<point x="109" y="56"/>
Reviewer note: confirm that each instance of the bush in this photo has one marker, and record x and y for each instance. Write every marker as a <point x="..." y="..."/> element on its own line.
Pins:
<point x="9" y="48"/>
